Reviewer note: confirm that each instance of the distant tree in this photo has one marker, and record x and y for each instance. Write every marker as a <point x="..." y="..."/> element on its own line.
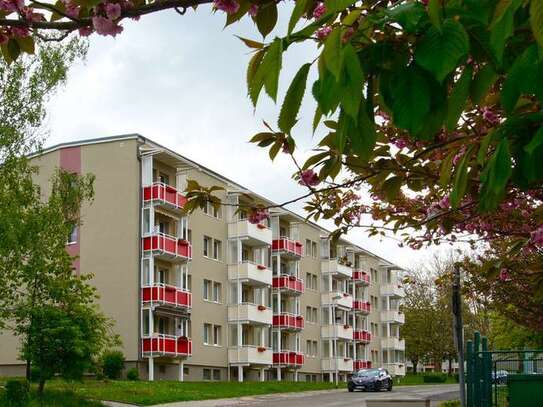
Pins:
<point x="507" y="334"/>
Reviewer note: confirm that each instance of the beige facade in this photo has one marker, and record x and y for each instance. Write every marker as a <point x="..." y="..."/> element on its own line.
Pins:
<point x="212" y="296"/>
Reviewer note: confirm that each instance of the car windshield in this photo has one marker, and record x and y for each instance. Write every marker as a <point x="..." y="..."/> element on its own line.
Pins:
<point x="368" y="373"/>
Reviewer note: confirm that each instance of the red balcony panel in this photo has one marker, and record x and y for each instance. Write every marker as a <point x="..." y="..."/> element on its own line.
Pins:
<point x="362" y="306"/>
<point x="288" y="358"/>
<point x="167" y="295"/>
<point x="362" y="336"/>
<point x="167" y="345"/>
<point x="362" y="364"/>
<point x="290" y="283"/>
<point x="168" y="245"/>
<point x="292" y="247"/>
<point x="164" y="194"/>
<point x="288" y="321"/>
<point x="361" y="277"/>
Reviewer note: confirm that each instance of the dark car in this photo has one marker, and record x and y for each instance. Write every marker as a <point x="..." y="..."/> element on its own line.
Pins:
<point x="499" y="377"/>
<point x="370" y="380"/>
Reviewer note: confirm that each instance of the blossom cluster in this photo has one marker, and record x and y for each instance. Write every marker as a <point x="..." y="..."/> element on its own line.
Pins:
<point x="258" y="215"/>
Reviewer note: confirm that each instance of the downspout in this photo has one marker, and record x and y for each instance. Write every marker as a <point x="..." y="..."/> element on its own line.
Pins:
<point x="140" y="253"/>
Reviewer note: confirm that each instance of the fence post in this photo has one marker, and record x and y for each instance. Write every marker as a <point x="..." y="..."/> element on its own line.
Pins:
<point x="486" y="373"/>
<point x="476" y="370"/>
<point x="469" y="373"/>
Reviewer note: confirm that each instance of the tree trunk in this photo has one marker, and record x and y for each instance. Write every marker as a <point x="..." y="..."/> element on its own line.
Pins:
<point x="450" y="365"/>
<point x="28" y="370"/>
<point x="415" y="364"/>
<point x="41" y="387"/>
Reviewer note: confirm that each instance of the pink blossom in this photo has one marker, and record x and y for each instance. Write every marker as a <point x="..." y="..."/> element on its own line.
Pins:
<point x="29" y="14"/>
<point x="309" y="178"/>
<point x="537" y="237"/>
<point x="253" y="10"/>
<point x="444" y="202"/>
<point x="504" y="275"/>
<point x="11" y="5"/>
<point x="319" y="11"/>
<point x="228" y="6"/>
<point x="72" y="9"/>
<point x="3" y="38"/>
<point x="490" y="116"/>
<point x="400" y="142"/>
<point x="113" y="10"/>
<point x="425" y="2"/>
<point x="258" y="216"/>
<point x="349" y="32"/>
<point x="20" y="32"/>
<point x="105" y="26"/>
<point x="85" y="31"/>
<point x="323" y="32"/>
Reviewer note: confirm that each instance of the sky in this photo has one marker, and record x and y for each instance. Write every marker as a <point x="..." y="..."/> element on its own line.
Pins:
<point x="180" y="81"/>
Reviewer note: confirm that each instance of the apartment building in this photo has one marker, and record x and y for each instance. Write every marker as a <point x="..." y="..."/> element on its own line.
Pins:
<point x="210" y="295"/>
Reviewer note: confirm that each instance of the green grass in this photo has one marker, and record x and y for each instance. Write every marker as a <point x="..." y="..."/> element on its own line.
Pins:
<point x="55" y="398"/>
<point x="148" y="393"/>
<point x="417" y="379"/>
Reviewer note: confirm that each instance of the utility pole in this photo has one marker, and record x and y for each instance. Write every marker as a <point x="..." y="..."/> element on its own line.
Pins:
<point x="458" y="328"/>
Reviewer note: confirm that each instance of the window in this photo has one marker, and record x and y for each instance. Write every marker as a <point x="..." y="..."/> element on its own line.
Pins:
<point x="216" y="374"/>
<point x="164" y="178"/>
<point x="206" y="374"/>
<point x="314" y="249"/>
<point x="207" y="334"/>
<point x="163" y="227"/>
<point x="314" y="282"/>
<point x="311" y="348"/>
<point x="217" y="249"/>
<point x="207" y="289"/>
<point x="189" y="235"/>
<point x="186" y="371"/>
<point x="212" y="248"/>
<point x="307" y="247"/>
<point x="217" y="335"/>
<point x="72" y="238"/>
<point x="207" y="246"/>
<point x="311" y="315"/>
<point x="210" y="210"/>
<point x="311" y="281"/>
<point x="217" y="288"/>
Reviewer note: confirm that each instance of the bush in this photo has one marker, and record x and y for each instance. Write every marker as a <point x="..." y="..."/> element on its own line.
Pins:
<point x="133" y="374"/>
<point x="17" y="392"/>
<point x="434" y="378"/>
<point x="112" y="364"/>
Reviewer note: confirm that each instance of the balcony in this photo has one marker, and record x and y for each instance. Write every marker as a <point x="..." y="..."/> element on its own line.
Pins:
<point x="167" y="296"/>
<point x="361" y="277"/>
<point x="361" y="364"/>
<point x="392" y="290"/>
<point x="290" y="285"/>
<point x="364" y="307"/>
<point x="395" y="317"/>
<point x="166" y="345"/>
<point x="250" y="355"/>
<point x="334" y="267"/>
<point x="287" y="358"/>
<point x="288" y="247"/>
<point x="338" y="331"/>
<point x="340" y="364"/>
<point x="246" y="313"/>
<point x="251" y="234"/>
<point x="164" y="195"/>
<point x="393" y="342"/>
<point x="362" y="336"/>
<point x="251" y="273"/>
<point x="337" y="298"/>
<point x="288" y="321"/>
<point x="395" y="369"/>
<point x="167" y="247"/>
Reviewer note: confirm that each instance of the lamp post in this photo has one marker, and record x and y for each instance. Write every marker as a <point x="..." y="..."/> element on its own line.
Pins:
<point x="458" y="331"/>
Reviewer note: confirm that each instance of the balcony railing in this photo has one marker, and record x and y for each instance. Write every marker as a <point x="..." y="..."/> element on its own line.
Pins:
<point x="288" y="321"/>
<point x="290" y="284"/>
<point x="288" y="247"/>
<point x="288" y="358"/>
<point x="362" y="306"/>
<point x="393" y="316"/>
<point x="163" y="194"/>
<point x="166" y="345"/>
<point x="362" y="336"/>
<point x="250" y="354"/>
<point x="249" y="272"/>
<point x="336" y="268"/>
<point x="393" y="342"/>
<point x="167" y="247"/>
<point x="342" y="364"/>
<point x="361" y="364"/>
<point x="361" y="277"/>
<point x="338" y="331"/>
<point x="392" y="290"/>
<point x="251" y="234"/>
<point x="250" y="314"/>
<point x="167" y="295"/>
<point x="337" y="298"/>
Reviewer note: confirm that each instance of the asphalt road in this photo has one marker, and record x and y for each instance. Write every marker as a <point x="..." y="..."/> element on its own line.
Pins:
<point x="332" y="398"/>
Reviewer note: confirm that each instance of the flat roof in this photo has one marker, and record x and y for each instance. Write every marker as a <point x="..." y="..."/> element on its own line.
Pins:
<point x="194" y="165"/>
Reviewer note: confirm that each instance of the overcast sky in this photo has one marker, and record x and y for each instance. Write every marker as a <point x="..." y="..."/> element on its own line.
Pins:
<point x="180" y="80"/>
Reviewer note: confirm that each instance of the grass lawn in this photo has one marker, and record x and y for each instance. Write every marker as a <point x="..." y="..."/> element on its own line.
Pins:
<point x="417" y="379"/>
<point x="147" y="393"/>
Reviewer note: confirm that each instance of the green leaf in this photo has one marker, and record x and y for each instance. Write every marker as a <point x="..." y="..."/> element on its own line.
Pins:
<point x="446" y="169"/>
<point x="434" y="13"/>
<point x="502" y="7"/>
<point x="482" y="82"/>
<point x="317" y="118"/>
<point x="495" y="176"/>
<point x="13" y="49"/>
<point x="275" y="149"/>
<point x="352" y="82"/>
<point x="460" y="179"/>
<point x="332" y="52"/>
<point x="391" y="187"/>
<point x="536" y="20"/>
<point x="251" y="43"/>
<point x="266" y="18"/>
<point x="293" y="100"/>
<point x="337" y="5"/>
<point x="315" y="159"/>
<point x="410" y="98"/>
<point x="300" y="8"/>
<point x="440" y="52"/>
<point x="268" y="71"/>
<point x="408" y="15"/>
<point x="364" y="138"/>
<point x="458" y="98"/>
<point x="499" y="33"/>
<point x="351" y="18"/>
<point x="242" y="10"/>
<point x="262" y="137"/>
<point x="535" y="142"/>
<point x="483" y="148"/>
<point x="26" y="44"/>
<point x="254" y="84"/>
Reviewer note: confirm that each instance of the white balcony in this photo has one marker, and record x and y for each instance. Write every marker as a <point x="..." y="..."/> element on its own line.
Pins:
<point x="250" y="355"/>
<point x="340" y="364"/>
<point x="250" y="314"/>
<point x="338" y="331"/>
<point x="251" y="234"/>
<point x="251" y="273"/>
<point x="393" y="343"/>
<point x="332" y="266"/>
<point x="338" y="298"/>
<point x="392" y="290"/>
<point x="392" y="316"/>
<point x="395" y="369"/>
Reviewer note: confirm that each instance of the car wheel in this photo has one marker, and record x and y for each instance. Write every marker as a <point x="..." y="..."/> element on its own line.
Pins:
<point x="389" y="388"/>
<point x="351" y="389"/>
<point x="377" y="386"/>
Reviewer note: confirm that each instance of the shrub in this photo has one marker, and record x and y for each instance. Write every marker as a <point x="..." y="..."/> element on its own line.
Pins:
<point x="112" y="364"/>
<point x="17" y="392"/>
<point x="133" y="374"/>
<point x="434" y="378"/>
